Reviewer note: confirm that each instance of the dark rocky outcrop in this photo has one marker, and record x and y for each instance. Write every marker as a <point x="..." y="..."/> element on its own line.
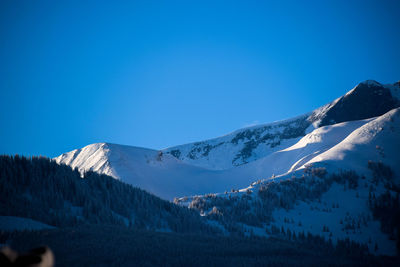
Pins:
<point x="368" y="99"/>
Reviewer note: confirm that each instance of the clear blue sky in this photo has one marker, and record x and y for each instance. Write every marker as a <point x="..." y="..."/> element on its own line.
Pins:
<point x="157" y="74"/>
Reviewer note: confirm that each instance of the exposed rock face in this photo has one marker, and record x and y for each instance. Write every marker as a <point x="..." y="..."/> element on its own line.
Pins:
<point x="368" y="99"/>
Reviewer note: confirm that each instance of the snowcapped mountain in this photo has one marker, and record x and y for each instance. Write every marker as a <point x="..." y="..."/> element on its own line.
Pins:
<point x="366" y="100"/>
<point x="237" y="159"/>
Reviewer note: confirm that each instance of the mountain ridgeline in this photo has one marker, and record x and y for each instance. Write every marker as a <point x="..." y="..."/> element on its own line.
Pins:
<point x="368" y="99"/>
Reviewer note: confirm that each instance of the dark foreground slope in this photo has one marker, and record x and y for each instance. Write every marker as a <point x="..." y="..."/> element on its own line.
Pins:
<point x="42" y="190"/>
<point x="116" y="246"/>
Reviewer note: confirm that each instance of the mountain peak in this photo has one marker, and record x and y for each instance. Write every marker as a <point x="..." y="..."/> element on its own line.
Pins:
<point x="370" y="83"/>
<point x="368" y="99"/>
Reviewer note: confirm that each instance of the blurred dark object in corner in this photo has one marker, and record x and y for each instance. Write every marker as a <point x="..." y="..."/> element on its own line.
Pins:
<point x="38" y="257"/>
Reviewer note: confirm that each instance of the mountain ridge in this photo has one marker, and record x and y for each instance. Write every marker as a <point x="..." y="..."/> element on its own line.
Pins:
<point x="206" y="167"/>
<point x="254" y="142"/>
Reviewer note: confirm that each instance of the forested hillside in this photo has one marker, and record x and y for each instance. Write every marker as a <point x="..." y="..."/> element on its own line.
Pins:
<point x="335" y="206"/>
<point x="117" y="246"/>
<point x="40" y="189"/>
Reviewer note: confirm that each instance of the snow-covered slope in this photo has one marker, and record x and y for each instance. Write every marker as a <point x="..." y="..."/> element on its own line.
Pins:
<point x="157" y="172"/>
<point x="343" y="146"/>
<point x="378" y="140"/>
<point x="244" y="145"/>
<point x="368" y="99"/>
<point x="306" y="149"/>
<point x="237" y="159"/>
<point x="166" y="176"/>
<point x="322" y="195"/>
